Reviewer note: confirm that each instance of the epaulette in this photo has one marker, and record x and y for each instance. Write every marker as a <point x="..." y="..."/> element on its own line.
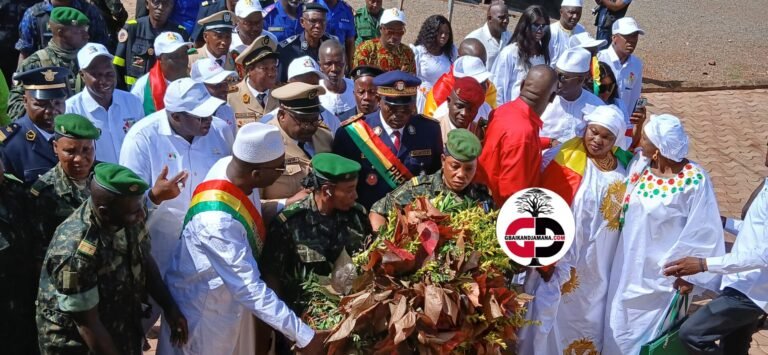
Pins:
<point x="430" y="118"/>
<point x="289" y="212"/>
<point x="131" y="22"/>
<point x="38" y="186"/>
<point x="352" y="119"/>
<point x="8" y="132"/>
<point x="288" y="41"/>
<point x="415" y="181"/>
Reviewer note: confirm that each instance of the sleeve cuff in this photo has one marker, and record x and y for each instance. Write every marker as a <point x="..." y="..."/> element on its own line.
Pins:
<point x="280" y="205"/>
<point x="715" y="264"/>
<point x="304" y="336"/>
<point x="79" y="302"/>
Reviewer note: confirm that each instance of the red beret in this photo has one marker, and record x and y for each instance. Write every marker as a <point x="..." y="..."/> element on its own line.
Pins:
<point x="469" y="90"/>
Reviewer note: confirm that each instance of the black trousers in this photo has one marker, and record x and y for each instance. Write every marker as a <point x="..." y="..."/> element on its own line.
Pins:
<point x="731" y="318"/>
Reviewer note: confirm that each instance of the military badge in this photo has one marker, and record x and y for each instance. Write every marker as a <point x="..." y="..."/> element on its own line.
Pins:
<point x="227" y="17"/>
<point x="312" y="94"/>
<point x="411" y="130"/>
<point x="246" y="99"/>
<point x="49" y="75"/>
<point x="377" y="131"/>
<point x="134" y="188"/>
<point x="151" y="51"/>
<point x="400" y="85"/>
<point x="372" y="179"/>
<point x="265" y="41"/>
<point x="122" y="36"/>
<point x="31" y="135"/>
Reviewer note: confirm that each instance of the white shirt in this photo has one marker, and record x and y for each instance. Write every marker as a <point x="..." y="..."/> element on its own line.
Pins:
<point x="339" y="103"/>
<point x="114" y="123"/>
<point x="429" y="68"/>
<point x="746" y="266"/>
<point x="328" y="118"/>
<point x="238" y="45"/>
<point x="138" y="88"/>
<point x="390" y="131"/>
<point x="629" y="76"/>
<point x="509" y="71"/>
<point x="152" y="144"/>
<point x="492" y="46"/>
<point x="558" y="41"/>
<point x="215" y="280"/>
<point x="564" y="119"/>
<point x="226" y="113"/>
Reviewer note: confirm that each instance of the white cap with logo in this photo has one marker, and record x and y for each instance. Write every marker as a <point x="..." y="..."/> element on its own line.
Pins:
<point x="207" y="71"/>
<point x="471" y="66"/>
<point x="392" y="15"/>
<point x="169" y="42"/>
<point x="243" y="8"/>
<point x="574" y="60"/>
<point x="187" y="95"/>
<point x="304" y="65"/>
<point x="626" y="26"/>
<point x="257" y="143"/>
<point x="89" y="52"/>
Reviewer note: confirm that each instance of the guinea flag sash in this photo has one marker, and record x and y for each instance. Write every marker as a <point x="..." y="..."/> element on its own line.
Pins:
<point x="383" y="160"/>
<point x="154" y="90"/>
<point x="563" y="175"/>
<point x="223" y="196"/>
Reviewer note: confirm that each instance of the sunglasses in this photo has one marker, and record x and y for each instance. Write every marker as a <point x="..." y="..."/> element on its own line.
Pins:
<point x="606" y="88"/>
<point x="536" y="27"/>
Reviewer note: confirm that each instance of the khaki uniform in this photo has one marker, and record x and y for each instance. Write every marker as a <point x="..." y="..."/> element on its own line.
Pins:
<point x="199" y="53"/>
<point x="246" y="107"/>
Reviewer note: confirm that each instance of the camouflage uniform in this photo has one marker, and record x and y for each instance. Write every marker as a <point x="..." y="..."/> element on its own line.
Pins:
<point x="301" y="240"/>
<point x="55" y="197"/>
<point x="88" y="267"/>
<point x="429" y="186"/>
<point x="52" y="55"/>
<point x="17" y="300"/>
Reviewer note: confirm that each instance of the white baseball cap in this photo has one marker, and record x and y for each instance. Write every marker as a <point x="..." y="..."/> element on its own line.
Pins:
<point x="392" y="15"/>
<point x="187" y="95"/>
<point x="303" y="65"/>
<point x="257" y="143"/>
<point x="89" y="52"/>
<point x="626" y="26"/>
<point x="207" y="71"/>
<point x="574" y="3"/>
<point x="243" y="8"/>
<point x="574" y="60"/>
<point x="471" y="66"/>
<point x="584" y="40"/>
<point x="169" y="42"/>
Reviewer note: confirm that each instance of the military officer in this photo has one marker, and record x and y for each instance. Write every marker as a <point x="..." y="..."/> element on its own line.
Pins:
<point x="307" y="42"/>
<point x="367" y="21"/>
<point x="70" y="33"/>
<point x="459" y="163"/>
<point x="61" y="190"/>
<point x="282" y="19"/>
<point x="366" y="98"/>
<point x="251" y="98"/>
<point x="311" y="234"/>
<point x="27" y="151"/>
<point x="98" y="272"/>
<point x="393" y="144"/>
<point x="217" y="35"/>
<point x="208" y="8"/>
<point x="114" y="15"/>
<point x="298" y="119"/>
<point x="135" y="53"/>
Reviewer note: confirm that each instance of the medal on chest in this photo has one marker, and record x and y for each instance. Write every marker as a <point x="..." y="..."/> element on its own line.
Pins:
<point x="372" y="179"/>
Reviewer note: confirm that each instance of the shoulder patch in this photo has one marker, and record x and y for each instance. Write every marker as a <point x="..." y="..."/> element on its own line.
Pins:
<point x="352" y="119"/>
<point x="122" y="36"/>
<point x="288" y="41"/>
<point x="7" y="132"/>
<point x="86" y="248"/>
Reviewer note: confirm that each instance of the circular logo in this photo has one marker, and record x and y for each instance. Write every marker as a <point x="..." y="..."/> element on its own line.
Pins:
<point x="535" y="227"/>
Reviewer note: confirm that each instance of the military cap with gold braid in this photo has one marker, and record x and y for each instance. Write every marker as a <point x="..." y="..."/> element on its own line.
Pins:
<point x="119" y="179"/>
<point x="219" y="22"/>
<point x="261" y="48"/>
<point x="68" y="16"/>
<point x="334" y="168"/>
<point x="397" y="87"/>
<point x="462" y="145"/>
<point x="300" y="97"/>
<point x="45" y="83"/>
<point x="74" y="126"/>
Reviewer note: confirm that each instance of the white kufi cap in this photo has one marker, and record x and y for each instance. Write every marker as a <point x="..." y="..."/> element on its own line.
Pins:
<point x="626" y="26"/>
<point x="575" y="60"/>
<point x="575" y="3"/>
<point x="169" y="42"/>
<point x="303" y="65"/>
<point x="584" y="40"/>
<point x="89" y="52"/>
<point x="257" y="143"/>
<point x="666" y="133"/>
<point x="471" y="66"/>
<point x="392" y="15"/>
<point x="610" y="117"/>
<point x="187" y="95"/>
<point x="207" y="71"/>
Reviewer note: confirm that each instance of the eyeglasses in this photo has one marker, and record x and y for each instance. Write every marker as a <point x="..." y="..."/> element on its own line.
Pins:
<point x="196" y="118"/>
<point x="536" y="27"/>
<point x="393" y="31"/>
<point x="606" y="88"/>
<point x="314" y="21"/>
<point x="305" y="120"/>
<point x="565" y="78"/>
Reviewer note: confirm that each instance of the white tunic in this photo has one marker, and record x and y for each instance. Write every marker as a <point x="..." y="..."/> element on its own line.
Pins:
<point x="492" y="46"/>
<point x="564" y="119"/>
<point x="666" y="219"/>
<point x="629" y="77"/>
<point x="558" y="41"/>
<point x="571" y="306"/>
<point x="509" y="71"/>
<point x="149" y="146"/>
<point x="746" y="266"/>
<point x="339" y="103"/>
<point x="429" y="68"/>
<point x="113" y="123"/>
<point x="215" y="280"/>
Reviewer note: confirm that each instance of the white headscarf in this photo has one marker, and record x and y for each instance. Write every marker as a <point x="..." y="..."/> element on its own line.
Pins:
<point x="609" y="117"/>
<point x="666" y="133"/>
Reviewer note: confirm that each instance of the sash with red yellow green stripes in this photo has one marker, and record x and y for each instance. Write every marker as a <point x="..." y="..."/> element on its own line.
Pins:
<point x="223" y="196"/>
<point x="383" y="160"/>
<point x="563" y="175"/>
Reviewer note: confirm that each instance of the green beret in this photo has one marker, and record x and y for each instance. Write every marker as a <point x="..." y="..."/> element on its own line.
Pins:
<point x="119" y="179"/>
<point x="463" y="145"/>
<point x="334" y="168"/>
<point x="68" y="16"/>
<point x="72" y="125"/>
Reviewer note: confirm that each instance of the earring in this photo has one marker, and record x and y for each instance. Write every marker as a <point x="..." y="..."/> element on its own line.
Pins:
<point x="655" y="156"/>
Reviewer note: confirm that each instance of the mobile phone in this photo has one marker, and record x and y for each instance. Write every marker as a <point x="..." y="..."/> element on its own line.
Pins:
<point x="641" y="103"/>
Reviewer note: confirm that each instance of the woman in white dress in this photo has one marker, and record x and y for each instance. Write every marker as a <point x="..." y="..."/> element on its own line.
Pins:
<point x="529" y="47"/>
<point x="589" y="172"/>
<point x="434" y="54"/>
<point x="669" y="212"/>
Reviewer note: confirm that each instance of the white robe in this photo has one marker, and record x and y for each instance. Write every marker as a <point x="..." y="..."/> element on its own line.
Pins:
<point x="662" y="224"/>
<point x="429" y="68"/>
<point x="564" y="119"/>
<point x="559" y="38"/>
<point x="571" y="306"/>
<point x="509" y="71"/>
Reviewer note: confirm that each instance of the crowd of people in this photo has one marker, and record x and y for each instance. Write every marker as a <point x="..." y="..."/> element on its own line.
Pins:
<point x="200" y="162"/>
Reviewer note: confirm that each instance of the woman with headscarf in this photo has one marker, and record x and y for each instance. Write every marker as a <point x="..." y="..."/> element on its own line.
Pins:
<point x="669" y="211"/>
<point x="529" y="47"/>
<point x="589" y="173"/>
<point x="434" y="52"/>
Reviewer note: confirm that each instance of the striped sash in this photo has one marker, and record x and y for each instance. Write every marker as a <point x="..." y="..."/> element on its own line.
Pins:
<point x="383" y="160"/>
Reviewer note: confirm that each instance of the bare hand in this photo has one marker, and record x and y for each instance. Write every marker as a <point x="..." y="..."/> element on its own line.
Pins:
<point x="178" y="324"/>
<point x="316" y="346"/>
<point x="297" y="197"/>
<point x="685" y="266"/>
<point x="167" y="189"/>
<point x="638" y="117"/>
<point x="683" y="286"/>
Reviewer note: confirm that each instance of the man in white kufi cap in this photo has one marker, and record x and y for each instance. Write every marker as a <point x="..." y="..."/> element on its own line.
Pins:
<point x="564" y="117"/>
<point x="214" y="273"/>
<point x="567" y="26"/>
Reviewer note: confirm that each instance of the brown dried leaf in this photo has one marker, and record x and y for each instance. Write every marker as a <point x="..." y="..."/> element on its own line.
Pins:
<point x="404" y="327"/>
<point x="473" y="293"/>
<point x="523" y="298"/>
<point x="473" y="261"/>
<point x="450" y="307"/>
<point x="343" y="330"/>
<point x="491" y="308"/>
<point x="397" y="308"/>
<point x="433" y="302"/>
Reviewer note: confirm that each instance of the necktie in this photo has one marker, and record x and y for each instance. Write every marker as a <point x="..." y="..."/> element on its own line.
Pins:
<point x="301" y="145"/>
<point x="260" y="98"/>
<point x="220" y="62"/>
<point x="396" y="140"/>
